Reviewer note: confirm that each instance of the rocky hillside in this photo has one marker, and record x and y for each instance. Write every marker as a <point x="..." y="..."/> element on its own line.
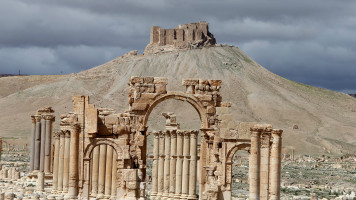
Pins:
<point x="314" y="120"/>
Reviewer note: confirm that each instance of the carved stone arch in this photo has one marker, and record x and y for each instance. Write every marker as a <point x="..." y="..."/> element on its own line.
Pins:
<point x="195" y="102"/>
<point x="234" y="149"/>
<point x="100" y="141"/>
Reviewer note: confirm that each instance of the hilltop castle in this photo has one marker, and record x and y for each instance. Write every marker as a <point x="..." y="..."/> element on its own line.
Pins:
<point x="184" y="36"/>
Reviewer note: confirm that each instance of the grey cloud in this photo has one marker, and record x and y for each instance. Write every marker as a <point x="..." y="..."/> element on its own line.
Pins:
<point x="313" y="42"/>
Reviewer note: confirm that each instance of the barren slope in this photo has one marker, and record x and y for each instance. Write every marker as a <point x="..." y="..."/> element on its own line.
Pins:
<point x="326" y="119"/>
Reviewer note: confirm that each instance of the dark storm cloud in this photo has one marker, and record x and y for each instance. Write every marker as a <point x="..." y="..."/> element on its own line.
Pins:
<point x="313" y="42"/>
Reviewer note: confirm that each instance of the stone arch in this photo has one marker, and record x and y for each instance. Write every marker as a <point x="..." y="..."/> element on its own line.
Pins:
<point x="99" y="141"/>
<point x="195" y="102"/>
<point x="234" y="149"/>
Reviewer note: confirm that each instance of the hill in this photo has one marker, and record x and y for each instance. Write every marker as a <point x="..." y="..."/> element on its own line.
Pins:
<point x="314" y="120"/>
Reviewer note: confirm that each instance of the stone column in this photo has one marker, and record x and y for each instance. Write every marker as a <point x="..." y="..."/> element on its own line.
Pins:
<point x="37" y="143"/>
<point x="193" y="166"/>
<point x="102" y="168"/>
<point x="43" y="143"/>
<point x="254" y="168"/>
<point x="173" y="162"/>
<point x="74" y="160"/>
<point x="167" y="149"/>
<point x="114" y="173"/>
<point x="61" y="162"/>
<point x="108" y="171"/>
<point x="185" y="173"/>
<point x="161" y="165"/>
<point x="33" y="141"/>
<point x="56" y="161"/>
<point x="40" y="181"/>
<point x="265" y="158"/>
<point x="154" y="189"/>
<point x="66" y="161"/>
<point x="275" y="165"/>
<point x="48" y="143"/>
<point x="178" y="191"/>
<point x="95" y="172"/>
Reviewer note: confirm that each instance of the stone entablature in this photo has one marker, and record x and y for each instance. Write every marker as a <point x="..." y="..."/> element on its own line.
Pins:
<point x="184" y="36"/>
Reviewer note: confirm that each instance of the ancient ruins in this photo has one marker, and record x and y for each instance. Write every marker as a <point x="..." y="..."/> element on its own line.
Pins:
<point x="184" y="36"/>
<point x="101" y="154"/>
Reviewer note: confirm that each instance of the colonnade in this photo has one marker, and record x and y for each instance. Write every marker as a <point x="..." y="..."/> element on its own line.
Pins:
<point x="103" y="174"/>
<point x="41" y="135"/>
<point x="265" y="163"/>
<point x="174" y="168"/>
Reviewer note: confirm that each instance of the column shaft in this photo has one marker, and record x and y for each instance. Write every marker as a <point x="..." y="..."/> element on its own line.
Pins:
<point x="74" y="160"/>
<point x="114" y="175"/>
<point x="33" y="141"/>
<point x="37" y="143"/>
<point x="254" y="168"/>
<point x="179" y="168"/>
<point x="173" y="162"/>
<point x="95" y="172"/>
<point x="108" y="173"/>
<point x="275" y="169"/>
<point x="56" y="161"/>
<point x="161" y="165"/>
<point x="193" y="165"/>
<point x="154" y="189"/>
<point x="167" y="149"/>
<point x="43" y="143"/>
<point x="48" y="144"/>
<point x="264" y="172"/>
<point x="61" y="162"/>
<point x="185" y="174"/>
<point x="66" y="162"/>
<point x="102" y="168"/>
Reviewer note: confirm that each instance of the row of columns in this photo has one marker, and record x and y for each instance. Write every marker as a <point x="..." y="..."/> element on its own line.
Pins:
<point x="104" y="171"/>
<point x="41" y="134"/>
<point x="265" y="163"/>
<point x="66" y="162"/>
<point x="174" y="168"/>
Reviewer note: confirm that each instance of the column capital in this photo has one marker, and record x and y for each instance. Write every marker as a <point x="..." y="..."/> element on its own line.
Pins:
<point x="49" y="117"/>
<point x="194" y="133"/>
<point x="67" y="134"/>
<point x="173" y="133"/>
<point x="161" y="134"/>
<point x="186" y="133"/>
<point x="277" y="132"/>
<point x="75" y="127"/>
<point x="156" y="134"/>
<point x="57" y="134"/>
<point x="179" y="133"/>
<point x="63" y="133"/>
<point x="38" y="118"/>
<point x="33" y="119"/>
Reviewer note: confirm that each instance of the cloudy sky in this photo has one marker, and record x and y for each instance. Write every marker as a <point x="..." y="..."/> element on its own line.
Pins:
<point x="312" y="42"/>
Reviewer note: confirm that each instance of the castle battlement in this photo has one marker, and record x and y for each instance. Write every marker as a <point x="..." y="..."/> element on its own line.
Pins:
<point x="184" y="36"/>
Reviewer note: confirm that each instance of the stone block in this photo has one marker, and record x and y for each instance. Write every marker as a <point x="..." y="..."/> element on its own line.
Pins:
<point x="225" y="104"/>
<point x="211" y="110"/>
<point x="190" y="81"/>
<point x="203" y="82"/>
<point x="148" y="79"/>
<point x="160" y="89"/>
<point x="91" y="122"/>
<point x="136" y="79"/>
<point x="139" y="106"/>
<point x="203" y="97"/>
<point x="160" y="80"/>
<point x="215" y="82"/>
<point x="111" y="119"/>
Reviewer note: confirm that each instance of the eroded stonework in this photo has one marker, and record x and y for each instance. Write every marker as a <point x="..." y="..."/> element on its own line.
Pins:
<point x="102" y="154"/>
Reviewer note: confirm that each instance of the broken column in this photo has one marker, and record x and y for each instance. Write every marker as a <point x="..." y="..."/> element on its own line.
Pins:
<point x="275" y="165"/>
<point x="265" y="159"/>
<point x="254" y="165"/>
<point x="154" y="189"/>
<point x="33" y="141"/>
<point x="73" y="172"/>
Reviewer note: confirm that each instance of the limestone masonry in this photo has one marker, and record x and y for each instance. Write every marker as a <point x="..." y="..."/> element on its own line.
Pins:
<point x="101" y="154"/>
<point x="185" y="36"/>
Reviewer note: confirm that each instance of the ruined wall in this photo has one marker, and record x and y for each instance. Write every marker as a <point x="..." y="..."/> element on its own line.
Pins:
<point x="184" y="36"/>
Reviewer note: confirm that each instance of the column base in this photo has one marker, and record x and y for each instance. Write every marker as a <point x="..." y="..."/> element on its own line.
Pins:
<point x="184" y="196"/>
<point x="100" y="196"/>
<point x="192" y="197"/>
